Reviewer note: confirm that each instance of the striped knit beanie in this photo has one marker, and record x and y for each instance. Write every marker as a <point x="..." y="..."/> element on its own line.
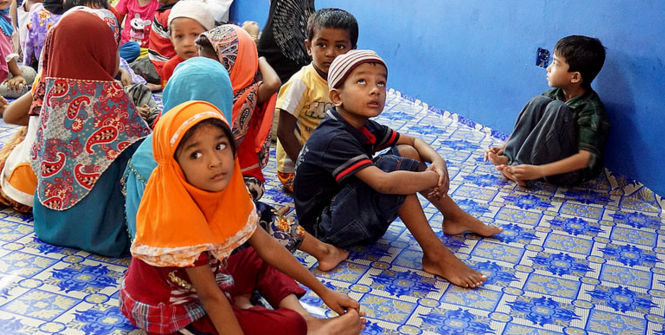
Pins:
<point x="342" y="66"/>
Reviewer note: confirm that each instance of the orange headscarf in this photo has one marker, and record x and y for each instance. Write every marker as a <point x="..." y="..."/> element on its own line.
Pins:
<point x="176" y="221"/>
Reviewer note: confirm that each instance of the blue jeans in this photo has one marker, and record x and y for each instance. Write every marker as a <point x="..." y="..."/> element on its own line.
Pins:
<point x="358" y="214"/>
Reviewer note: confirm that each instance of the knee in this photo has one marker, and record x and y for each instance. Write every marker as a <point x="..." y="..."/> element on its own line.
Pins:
<point x="541" y="100"/>
<point x="408" y="151"/>
<point x="558" y="109"/>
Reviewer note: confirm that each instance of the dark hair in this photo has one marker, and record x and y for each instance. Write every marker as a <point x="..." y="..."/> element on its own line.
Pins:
<point x="334" y="18"/>
<point x="583" y="54"/>
<point x="204" y="43"/>
<point x="54" y="6"/>
<point x="69" y="4"/>
<point x="207" y="122"/>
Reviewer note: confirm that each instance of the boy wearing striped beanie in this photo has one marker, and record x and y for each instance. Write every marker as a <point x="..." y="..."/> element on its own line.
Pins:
<point x="346" y="197"/>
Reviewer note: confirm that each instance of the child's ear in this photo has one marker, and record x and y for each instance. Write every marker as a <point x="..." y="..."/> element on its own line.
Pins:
<point x="335" y="97"/>
<point x="576" y="78"/>
<point x="309" y="48"/>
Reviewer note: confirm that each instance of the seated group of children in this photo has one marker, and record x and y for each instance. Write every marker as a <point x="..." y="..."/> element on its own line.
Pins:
<point x="188" y="192"/>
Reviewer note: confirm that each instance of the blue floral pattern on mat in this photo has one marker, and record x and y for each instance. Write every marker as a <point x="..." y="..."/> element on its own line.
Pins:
<point x="85" y="278"/>
<point x="588" y="197"/>
<point x="582" y="260"/>
<point x="637" y="220"/>
<point x="456" y="322"/>
<point x="528" y="202"/>
<point x="576" y="226"/>
<point x="543" y="310"/>
<point x="100" y="322"/>
<point x="515" y="233"/>
<point x="561" y="264"/>
<point x="622" y="299"/>
<point x="630" y="255"/>
<point x="403" y="283"/>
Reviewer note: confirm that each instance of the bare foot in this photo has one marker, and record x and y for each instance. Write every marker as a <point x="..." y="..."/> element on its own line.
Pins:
<point x="454" y="270"/>
<point x="328" y="255"/>
<point x="505" y="171"/>
<point x="465" y="222"/>
<point x="351" y="323"/>
<point x="331" y="257"/>
<point x="496" y="159"/>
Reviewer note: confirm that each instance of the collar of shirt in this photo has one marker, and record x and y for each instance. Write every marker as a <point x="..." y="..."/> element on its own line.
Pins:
<point x="363" y="135"/>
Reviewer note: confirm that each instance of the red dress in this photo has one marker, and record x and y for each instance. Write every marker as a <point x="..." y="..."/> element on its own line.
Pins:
<point x="161" y="300"/>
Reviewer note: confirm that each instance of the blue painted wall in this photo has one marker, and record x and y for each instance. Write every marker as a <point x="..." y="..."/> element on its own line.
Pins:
<point x="477" y="58"/>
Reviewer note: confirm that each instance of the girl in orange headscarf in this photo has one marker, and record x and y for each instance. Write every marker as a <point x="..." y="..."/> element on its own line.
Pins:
<point x="195" y="211"/>
<point x="254" y="86"/>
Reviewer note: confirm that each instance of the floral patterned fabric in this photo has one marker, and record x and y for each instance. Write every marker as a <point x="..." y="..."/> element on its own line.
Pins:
<point x="85" y="125"/>
<point x="86" y="119"/>
<point x="40" y="22"/>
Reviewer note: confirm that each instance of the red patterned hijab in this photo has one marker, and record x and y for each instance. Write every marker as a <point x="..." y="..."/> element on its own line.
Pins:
<point x="86" y="120"/>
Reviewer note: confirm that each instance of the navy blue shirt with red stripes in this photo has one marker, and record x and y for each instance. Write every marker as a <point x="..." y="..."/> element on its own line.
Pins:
<point x="332" y="155"/>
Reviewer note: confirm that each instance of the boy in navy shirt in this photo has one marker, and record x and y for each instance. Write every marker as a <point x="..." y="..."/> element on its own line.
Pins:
<point x="345" y="197"/>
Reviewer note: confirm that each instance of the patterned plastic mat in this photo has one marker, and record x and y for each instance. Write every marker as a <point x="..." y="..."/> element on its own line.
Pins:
<point x="587" y="260"/>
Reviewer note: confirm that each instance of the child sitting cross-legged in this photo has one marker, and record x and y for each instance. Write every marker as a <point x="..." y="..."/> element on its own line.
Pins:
<point x="184" y="276"/>
<point x="345" y="197"/>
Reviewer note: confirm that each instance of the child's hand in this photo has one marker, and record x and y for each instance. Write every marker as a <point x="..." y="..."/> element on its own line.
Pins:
<point x="125" y="78"/>
<point x="144" y="111"/>
<point x="339" y="302"/>
<point x="495" y="150"/>
<point x="16" y="83"/>
<point x="522" y="172"/>
<point x="252" y="28"/>
<point x="443" y="184"/>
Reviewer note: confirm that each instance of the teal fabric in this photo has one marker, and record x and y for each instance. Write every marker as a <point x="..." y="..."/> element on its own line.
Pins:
<point x="95" y="224"/>
<point x="197" y="78"/>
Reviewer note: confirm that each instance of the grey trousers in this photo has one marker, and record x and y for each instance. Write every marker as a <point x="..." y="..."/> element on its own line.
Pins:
<point x="141" y="95"/>
<point x="545" y="132"/>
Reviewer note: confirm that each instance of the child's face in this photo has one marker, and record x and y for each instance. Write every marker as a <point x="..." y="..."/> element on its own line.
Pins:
<point x="327" y="44"/>
<point x="184" y="32"/>
<point x="363" y="93"/>
<point x="4" y="4"/>
<point x="557" y="72"/>
<point x="206" y="159"/>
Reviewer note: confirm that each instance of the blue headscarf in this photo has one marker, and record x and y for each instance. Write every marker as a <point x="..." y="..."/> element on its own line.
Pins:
<point x="197" y="78"/>
<point x="6" y="22"/>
